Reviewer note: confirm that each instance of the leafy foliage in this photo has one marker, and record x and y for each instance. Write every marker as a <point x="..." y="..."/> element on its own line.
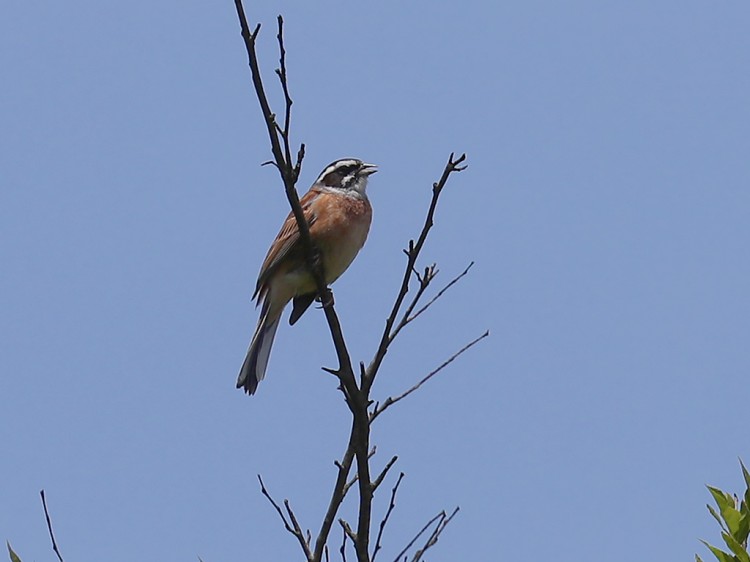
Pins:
<point x="733" y="516"/>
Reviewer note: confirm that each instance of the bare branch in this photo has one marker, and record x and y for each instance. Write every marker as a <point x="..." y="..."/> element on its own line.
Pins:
<point x="274" y="504"/>
<point x="49" y="527"/>
<point x="356" y="476"/>
<point x="348" y="530"/>
<point x="268" y="115"/>
<point x="342" y="550"/>
<point x="305" y="543"/>
<point x="356" y="401"/>
<point x="281" y="73"/>
<point x="362" y="443"/>
<point x="379" y="480"/>
<point x="440" y="293"/>
<point x="419" y="534"/>
<point x="337" y="496"/>
<point x="292" y="527"/>
<point x="351" y="483"/>
<point x="390" y="401"/>
<point x="433" y="538"/>
<point x="424" y="282"/>
<point x="356" y="395"/>
<point x="452" y="166"/>
<point x="298" y="162"/>
<point x="391" y="506"/>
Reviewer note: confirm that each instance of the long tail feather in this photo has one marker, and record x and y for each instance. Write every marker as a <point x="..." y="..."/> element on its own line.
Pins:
<point x="254" y="368"/>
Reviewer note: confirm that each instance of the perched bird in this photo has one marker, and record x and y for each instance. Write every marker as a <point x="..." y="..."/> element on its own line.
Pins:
<point x="338" y="214"/>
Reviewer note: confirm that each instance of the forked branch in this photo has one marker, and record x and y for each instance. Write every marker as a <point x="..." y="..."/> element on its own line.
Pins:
<point x="290" y="525"/>
<point x="453" y="165"/>
<point x="357" y="396"/>
<point x="387" y="515"/>
<point x="442" y="520"/>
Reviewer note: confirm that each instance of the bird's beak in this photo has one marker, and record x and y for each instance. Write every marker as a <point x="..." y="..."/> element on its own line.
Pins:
<point x="368" y="169"/>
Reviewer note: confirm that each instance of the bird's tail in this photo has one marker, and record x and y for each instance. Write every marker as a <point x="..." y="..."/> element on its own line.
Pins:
<point x="254" y="368"/>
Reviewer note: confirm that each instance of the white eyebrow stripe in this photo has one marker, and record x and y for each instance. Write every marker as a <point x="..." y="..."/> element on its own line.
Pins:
<point x="336" y="165"/>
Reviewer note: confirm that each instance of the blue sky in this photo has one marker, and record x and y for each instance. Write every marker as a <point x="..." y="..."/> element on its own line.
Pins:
<point x="606" y="207"/>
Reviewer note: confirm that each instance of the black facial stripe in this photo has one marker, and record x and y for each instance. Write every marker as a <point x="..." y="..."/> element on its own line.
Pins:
<point x="340" y="173"/>
<point x="346" y="170"/>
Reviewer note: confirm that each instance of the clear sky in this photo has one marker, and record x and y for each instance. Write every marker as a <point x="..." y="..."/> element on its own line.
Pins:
<point x="606" y="206"/>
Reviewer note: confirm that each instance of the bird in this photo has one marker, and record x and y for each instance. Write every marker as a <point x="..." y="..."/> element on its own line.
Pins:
<point x="338" y="214"/>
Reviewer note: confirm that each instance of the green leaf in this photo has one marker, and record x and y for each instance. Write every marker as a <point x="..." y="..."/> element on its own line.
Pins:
<point x="13" y="556"/>
<point x="746" y="474"/>
<point x="736" y="547"/>
<point x="698" y="558"/>
<point x="744" y="528"/>
<point x="746" y="507"/>
<point x="720" y="554"/>
<point x="727" y="509"/>
<point x="722" y="499"/>
<point x="712" y="511"/>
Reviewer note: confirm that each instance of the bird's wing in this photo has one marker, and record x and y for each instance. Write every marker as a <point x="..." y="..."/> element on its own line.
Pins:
<point x="286" y="240"/>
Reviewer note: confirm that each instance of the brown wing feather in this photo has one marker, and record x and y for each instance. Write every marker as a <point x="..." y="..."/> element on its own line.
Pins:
<point x="287" y="238"/>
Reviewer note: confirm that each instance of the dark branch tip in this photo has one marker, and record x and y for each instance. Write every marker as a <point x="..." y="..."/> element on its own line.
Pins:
<point x="457" y="160"/>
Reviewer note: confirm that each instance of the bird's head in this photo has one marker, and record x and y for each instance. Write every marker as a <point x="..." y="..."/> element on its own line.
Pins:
<point x="347" y="174"/>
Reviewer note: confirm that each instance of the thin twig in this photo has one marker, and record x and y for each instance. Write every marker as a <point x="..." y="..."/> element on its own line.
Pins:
<point x="390" y="401"/>
<point x="348" y="530"/>
<point x="49" y="527"/>
<point x="452" y="166"/>
<point x="281" y="72"/>
<point x="342" y="550"/>
<point x="440" y="293"/>
<point x="337" y="496"/>
<point x="419" y="534"/>
<point x="351" y="483"/>
<point x="292" y="527"/>
<point x="305" y="543"/>
<point x="384" y="522"/>
<point x="424" y="282"/>
<point x="433" y="538"/>
<point x="379" y="480"/>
